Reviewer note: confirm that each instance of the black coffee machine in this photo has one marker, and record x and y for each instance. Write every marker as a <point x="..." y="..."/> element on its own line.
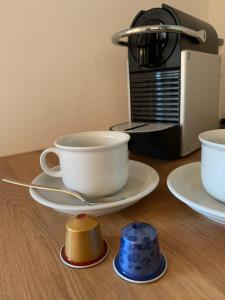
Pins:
<point x="173" y="81"/>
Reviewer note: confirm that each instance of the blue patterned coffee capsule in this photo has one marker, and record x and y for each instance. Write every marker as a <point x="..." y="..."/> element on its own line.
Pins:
<point x="139" y="259"/>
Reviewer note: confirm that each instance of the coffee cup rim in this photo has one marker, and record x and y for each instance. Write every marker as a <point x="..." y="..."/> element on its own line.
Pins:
<point x="208" y="138"/>
<point x="124" y="138"/>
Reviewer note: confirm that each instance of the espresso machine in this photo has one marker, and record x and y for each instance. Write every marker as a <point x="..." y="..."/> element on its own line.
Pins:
<point x="173" y="81"/>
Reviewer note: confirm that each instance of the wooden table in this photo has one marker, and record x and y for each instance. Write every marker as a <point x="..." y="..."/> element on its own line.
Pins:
<point x="32" y="235"/>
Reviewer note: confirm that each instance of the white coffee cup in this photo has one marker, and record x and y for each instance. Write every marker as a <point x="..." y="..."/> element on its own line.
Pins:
<point x="94" y="163"/>
<point x="213" y="162"/>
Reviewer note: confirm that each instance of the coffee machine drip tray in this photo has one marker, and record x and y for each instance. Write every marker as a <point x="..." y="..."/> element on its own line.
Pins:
<point x="157" y="139"/>
<point x="136" y="127"/>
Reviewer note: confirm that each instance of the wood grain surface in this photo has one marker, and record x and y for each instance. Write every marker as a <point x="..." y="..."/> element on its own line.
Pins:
<point x="32" y="235"/>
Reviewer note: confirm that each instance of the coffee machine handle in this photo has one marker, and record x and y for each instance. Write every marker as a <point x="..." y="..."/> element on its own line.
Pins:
<point x="200" y="35"/>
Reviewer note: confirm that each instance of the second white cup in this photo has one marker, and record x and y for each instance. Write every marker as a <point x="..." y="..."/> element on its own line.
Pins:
<point x="94" y="163"/>
<point x="213" y="162"/>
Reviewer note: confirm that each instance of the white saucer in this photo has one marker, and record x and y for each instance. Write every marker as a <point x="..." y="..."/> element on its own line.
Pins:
<point x="185" y="184"/>
<point x="142" y="180"/>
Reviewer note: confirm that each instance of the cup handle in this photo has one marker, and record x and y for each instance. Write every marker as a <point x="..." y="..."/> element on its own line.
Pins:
<point x="44" y="165"/>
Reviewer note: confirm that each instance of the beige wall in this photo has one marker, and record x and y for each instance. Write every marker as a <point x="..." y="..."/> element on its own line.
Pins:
<point x="217" y="19"/>
<point x="59" y="72"/>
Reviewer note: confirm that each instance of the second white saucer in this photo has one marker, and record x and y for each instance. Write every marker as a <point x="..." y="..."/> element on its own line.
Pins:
<point x="142" y="180"/>
<point x="185" y="184"/>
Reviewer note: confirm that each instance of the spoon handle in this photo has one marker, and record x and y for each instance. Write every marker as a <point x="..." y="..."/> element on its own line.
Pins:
<point x="42" y="187"/>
